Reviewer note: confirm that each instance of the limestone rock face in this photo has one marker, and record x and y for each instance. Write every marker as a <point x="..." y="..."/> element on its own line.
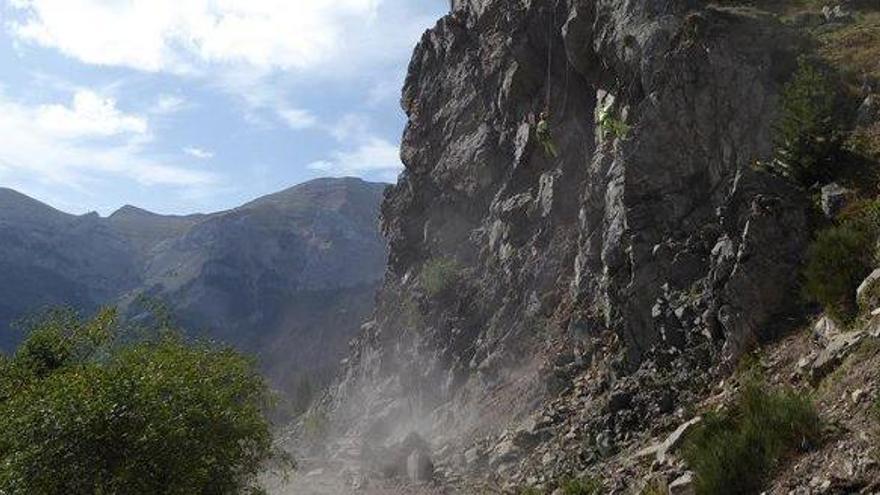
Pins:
<point x="651" y="234"/>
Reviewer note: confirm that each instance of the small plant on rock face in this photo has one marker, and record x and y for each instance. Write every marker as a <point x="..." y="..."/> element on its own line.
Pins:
<point x="732" y="452"/>
<point x="439" y="275"/>
<point x="612" y="125"/>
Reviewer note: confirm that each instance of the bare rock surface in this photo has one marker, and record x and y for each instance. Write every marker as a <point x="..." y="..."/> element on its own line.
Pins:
<point x="544" y="316"/>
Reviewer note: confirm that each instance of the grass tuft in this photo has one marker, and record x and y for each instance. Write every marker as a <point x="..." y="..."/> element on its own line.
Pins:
<point x="733" y="452"/>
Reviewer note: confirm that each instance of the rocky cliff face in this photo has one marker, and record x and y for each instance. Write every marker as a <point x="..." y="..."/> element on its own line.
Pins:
<point x="289" y="277"/>
<point x="648" y="250"/>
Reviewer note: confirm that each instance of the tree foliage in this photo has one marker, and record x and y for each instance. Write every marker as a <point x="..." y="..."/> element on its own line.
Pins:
<point x="840" y="257"/>
<point x="808" y="139"/>
<point x="82" y="414"/>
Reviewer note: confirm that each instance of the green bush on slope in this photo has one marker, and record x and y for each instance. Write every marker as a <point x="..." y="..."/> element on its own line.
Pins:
<point x="808" y="138"/>
<point x="837" y="261"/>
<point x="79" y="415"/>
<point x="583" y="486"/>
<point x="841" y="257"/>
<point x="733" y="452"/>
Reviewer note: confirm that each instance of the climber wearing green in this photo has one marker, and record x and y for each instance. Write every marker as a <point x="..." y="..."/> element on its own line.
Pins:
<point x="542" y="130"/>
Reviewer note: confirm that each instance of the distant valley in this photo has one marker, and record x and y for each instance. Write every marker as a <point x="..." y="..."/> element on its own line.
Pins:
<point x="288" y="277"/>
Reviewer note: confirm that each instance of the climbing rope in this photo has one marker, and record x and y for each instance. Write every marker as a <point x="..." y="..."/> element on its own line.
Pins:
<point x="565" y="87"/>
<point x="550" y="31"/>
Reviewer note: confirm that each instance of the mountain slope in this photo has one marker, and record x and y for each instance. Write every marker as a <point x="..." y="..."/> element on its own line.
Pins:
<point x="276" y="276"/>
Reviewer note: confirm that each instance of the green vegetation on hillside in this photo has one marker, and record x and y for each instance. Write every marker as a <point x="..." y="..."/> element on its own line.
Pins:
<point x="837" y="261"/>
<point x="733" y="452"/>
<point x="439" y="275"/>
<point x="84" y="412"/>
<point x="841" y="256"/>
<point x="808" y="135"/>
<point x="581" y="486"/>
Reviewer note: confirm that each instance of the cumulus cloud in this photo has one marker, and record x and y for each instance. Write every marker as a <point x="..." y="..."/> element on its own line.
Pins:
<point x="199" y="153"/>
<point x="297" y="118"/>
<point x="168" y="104"/>
<point x="90" y="139"/>
<point x="179" y="35"/>
<point x="89" y="115"/>
<point x="374" y="157"/>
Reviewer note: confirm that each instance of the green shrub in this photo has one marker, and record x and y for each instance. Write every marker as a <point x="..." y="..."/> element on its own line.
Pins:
<point x="581" y="486"/>
<point x="656" y="487"/>
<point x="612" y="125"/>
<point x="733" y="452"/>
<point x="315" y="425"/>
<point x="808" y="139"/>
<point x="837" y="261"/>
<point x="80" y="415"/>
<point x="864" y="215"/>
<point x="439" y="275"/>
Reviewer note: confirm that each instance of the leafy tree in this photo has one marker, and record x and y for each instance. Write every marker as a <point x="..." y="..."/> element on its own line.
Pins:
<point x="81" y="414"/>
<point x="807" y="136"/>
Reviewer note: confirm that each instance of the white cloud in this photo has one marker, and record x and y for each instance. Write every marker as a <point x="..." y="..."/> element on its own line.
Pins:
<point x="179" y="35"/>
<point x="87" y="141"/>
<point x="168" y="104"/>
<point x="297" y="119"/>
<point x="90" y="115"/>
<point x="351" y="126"/>
<point x="374" y="157"/>
<point x="198" y="153"/>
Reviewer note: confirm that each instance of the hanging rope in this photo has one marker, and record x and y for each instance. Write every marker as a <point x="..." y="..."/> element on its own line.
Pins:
<point x="550" y="31"/>
<point x="565" y="87"/>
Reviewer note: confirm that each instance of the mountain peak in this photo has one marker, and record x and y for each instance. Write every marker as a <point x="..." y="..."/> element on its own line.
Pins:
<point x="131" y="211"/>
<point x="14" y="204"/>
<point x="324" y="193"/>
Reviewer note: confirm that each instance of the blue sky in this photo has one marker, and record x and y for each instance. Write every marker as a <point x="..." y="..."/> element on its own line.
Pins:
<point x="180" y="106"/>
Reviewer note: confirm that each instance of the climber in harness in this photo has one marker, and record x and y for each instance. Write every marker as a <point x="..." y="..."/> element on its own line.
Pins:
<point x="542" y="131"/>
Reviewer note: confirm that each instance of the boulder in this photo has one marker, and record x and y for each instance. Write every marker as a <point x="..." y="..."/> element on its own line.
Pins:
<point x="825" y="329"/>
<point x="834" y="198"/>
<point x="409" y="458"/>
<point x="530" y="434"/>
<point x="833" y="354"/>
<point x="504" y="453"/>
<point x="663" y="449"/>
<point x="419" y="467"/>
<point x="683" y="485"/>
<point x="868" y="293"/>
<point x="869" y="111"/>
<point x="837" y="14"/>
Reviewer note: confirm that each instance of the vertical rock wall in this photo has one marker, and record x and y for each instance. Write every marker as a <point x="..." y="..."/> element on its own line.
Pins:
<point x="650" y="234"/>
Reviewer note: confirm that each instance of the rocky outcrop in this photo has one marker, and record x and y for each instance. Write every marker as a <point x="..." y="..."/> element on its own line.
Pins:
<point x="650" y="242"/>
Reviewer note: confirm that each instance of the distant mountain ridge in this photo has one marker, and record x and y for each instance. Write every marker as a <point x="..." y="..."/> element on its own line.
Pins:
<point x="275" y="276"/>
